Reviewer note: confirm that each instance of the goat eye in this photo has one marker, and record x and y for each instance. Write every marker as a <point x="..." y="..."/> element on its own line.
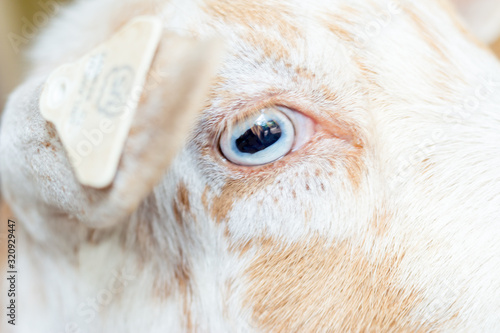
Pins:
<point x="261" y="138"/>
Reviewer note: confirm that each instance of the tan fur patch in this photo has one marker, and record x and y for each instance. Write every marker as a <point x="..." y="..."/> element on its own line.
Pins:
<point x="368" y="73"/>
<point x="315" y="287"/>
<point x="204" y="198"/>
<point x="182" y="206"/>
<point x="252" y="13"/>
<point x="235" y="190"/>
<point x="177" y="214"/>
<point x="231" y="192"/>
<point x="355" y="169"/>
<point x="183" y="197"/>
<point x="304" y="73"/>
<point x="496" y="48"/>
<point x="271" y="47"/>
<point x="183" y="278"/>
<point x="336" y="23"/>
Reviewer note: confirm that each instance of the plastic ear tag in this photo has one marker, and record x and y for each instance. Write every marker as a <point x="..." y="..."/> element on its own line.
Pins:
<point x="92" y="102"/>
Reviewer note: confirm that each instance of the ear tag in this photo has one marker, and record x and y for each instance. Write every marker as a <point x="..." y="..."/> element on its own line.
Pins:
<point x="92" y="102"/>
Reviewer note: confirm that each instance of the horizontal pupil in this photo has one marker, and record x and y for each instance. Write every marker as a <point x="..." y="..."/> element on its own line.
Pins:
<point x="259" y="137"/>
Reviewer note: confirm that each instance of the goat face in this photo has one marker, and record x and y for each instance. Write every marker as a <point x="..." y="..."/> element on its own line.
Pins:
<point x="343" y="176"/>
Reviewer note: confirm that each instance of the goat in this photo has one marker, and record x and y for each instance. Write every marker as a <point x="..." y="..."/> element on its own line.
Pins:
<point x="342" y="176"/>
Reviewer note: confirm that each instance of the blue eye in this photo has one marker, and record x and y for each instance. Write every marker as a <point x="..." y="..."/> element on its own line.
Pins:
<point x="262" y="138"/>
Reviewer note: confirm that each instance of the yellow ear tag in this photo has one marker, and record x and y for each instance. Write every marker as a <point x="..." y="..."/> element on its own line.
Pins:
<point x="92" y="102"/>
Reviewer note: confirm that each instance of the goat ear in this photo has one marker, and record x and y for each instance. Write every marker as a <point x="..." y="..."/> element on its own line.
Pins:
<point x="40" y="183"/>
<point x="177" y="88"/>
<point x="482" y="18"/>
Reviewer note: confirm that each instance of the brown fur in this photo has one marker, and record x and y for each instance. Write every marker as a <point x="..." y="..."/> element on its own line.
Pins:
<point x="182" y="206"/>
<point x="355" y="168"/>
<point x="496" y="48"/>
<point x="183" y="278"/>
<point x="272" y="48"/>
<point x="233" y="191"/>
<point x="336" y="23"/>
<point x="250" y="13"/>
<point x="297" y="289"/>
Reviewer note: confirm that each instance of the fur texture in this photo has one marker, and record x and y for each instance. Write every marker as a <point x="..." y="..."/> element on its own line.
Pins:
<point x="388" y="220"/>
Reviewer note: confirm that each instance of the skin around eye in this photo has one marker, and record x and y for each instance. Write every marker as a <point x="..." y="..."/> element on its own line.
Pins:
<point x="265" y="136"/>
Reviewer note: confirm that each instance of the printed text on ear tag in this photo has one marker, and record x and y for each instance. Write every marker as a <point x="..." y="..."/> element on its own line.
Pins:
<point x="92" y="102"/>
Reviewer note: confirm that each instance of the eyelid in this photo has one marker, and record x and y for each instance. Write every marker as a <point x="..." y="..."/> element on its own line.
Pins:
<point x="244" y="113"/>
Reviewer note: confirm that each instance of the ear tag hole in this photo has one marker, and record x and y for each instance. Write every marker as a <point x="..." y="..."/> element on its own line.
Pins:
<point x="58" y="92"/>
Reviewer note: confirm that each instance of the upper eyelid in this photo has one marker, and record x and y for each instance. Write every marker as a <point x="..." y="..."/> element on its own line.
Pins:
<point x="245" y="113"/>
<point x="328" y="120"/>
<point x="241" y="114"/>
<point x="254" y="107"/>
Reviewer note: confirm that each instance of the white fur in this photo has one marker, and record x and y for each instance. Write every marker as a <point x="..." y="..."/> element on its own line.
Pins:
<point x="447" y="219"/>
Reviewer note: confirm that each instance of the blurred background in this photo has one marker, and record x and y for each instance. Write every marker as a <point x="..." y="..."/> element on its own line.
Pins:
<point x="16" y="18"/>
<point x="9" y="66"/>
